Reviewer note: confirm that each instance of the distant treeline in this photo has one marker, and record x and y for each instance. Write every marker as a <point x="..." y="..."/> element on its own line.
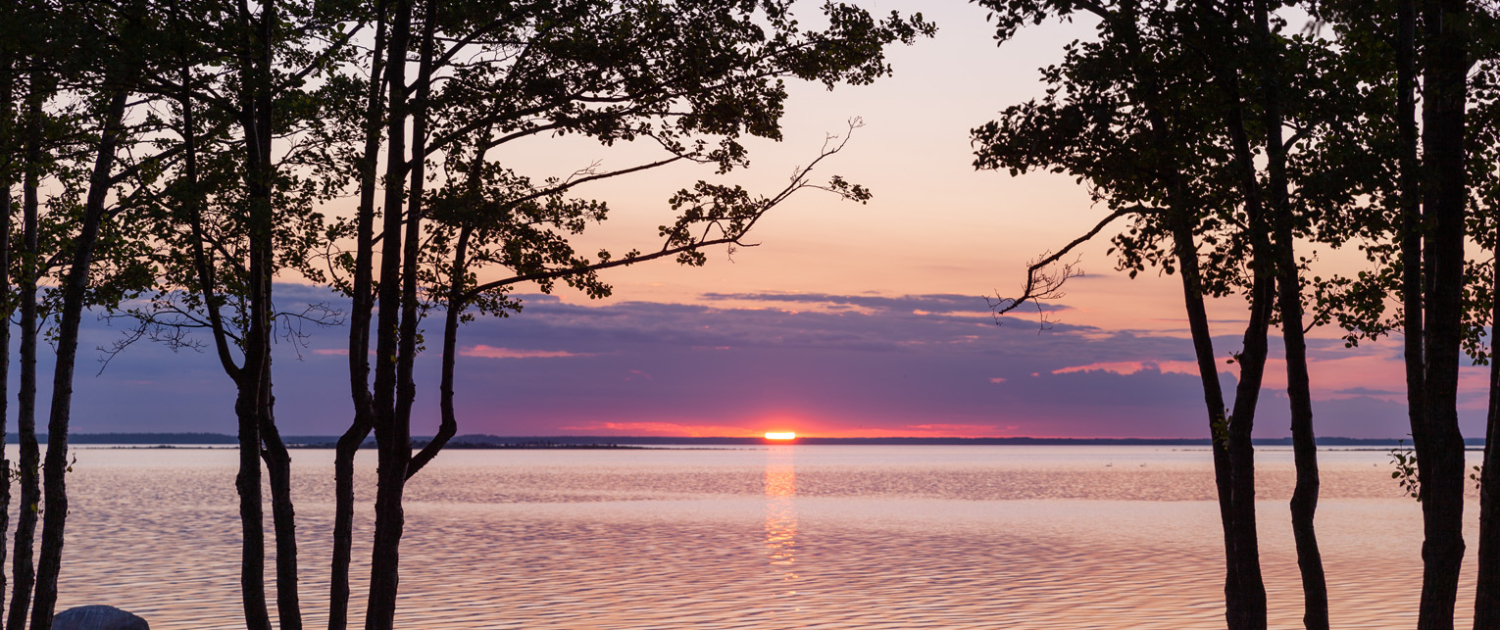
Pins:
<point x="494" y="441"/>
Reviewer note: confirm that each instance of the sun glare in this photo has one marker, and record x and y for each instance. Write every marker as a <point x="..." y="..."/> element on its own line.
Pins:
<point x="780" y="435"/>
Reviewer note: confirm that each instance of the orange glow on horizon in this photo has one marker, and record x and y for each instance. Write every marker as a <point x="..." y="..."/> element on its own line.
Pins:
<point x="781" y="435"/>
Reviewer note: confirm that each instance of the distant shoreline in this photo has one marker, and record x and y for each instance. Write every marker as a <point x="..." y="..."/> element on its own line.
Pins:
<point x="627" y="442"/>
<point x="331" y="445"/>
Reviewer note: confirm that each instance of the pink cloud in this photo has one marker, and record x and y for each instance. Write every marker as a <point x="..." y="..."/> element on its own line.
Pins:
<point x="998" y="379"/>
<point x="490" y="352"/>
<point x="328" y="351"/>
<point x="1126" y="368"/>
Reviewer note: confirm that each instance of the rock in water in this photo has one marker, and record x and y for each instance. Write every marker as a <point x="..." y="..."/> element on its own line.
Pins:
<point x="97" y="618"/>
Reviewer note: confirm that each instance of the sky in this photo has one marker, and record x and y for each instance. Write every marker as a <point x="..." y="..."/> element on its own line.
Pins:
<point x="845" y="319"/>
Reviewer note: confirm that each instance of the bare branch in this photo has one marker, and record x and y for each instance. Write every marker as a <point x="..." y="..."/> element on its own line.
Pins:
<point x="1045" y="277"/>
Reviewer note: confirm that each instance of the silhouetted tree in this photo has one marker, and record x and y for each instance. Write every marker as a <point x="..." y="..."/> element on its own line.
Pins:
<point x="9" y="169"/>
<point x="692" y="78"/>
<point x="1416" y="207"/>
<point x="1159" y="115"/>
<point x="238" y="208"/>
<point x="1263" y="55"/>
<point x="88" y="64"/>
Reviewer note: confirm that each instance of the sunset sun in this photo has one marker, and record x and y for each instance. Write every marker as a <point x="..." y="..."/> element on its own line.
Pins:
<point x="781" y="436"/>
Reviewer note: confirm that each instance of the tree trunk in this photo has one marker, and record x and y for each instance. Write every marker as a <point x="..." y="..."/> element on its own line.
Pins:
<point x="254" y="403"/>
<point x="1304" y="504"/>
<point x="343" y="520"/>
<point x="1412" y="228"/>
<point x="7" y="114"/>
<point x="1234" y="456"/>
<point x="359" y="343"/>
<point x="283" y="517"/>
<point x="393" y="439"/>
<point x="74" y="288"/>
<point x="1487" y="589"/>
<point x="451" y="321"/>
<point x="247" y="483"/>
<point x="1440" y="450"/>
<point x="1186" y="252"/>
<point x="22" y="569"/>
<point x="398" y="389"/>
<point x="1252" y="358"/>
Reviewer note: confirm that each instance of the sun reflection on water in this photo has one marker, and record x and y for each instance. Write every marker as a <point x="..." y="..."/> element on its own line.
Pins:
<point x="781" y="515"/>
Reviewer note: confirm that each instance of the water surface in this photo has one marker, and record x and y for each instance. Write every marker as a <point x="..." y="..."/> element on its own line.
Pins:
<point x="833" y="537"/>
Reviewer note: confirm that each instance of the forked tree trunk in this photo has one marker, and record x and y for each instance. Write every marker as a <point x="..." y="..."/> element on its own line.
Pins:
<point x="1186" y="253"/>
<point x="254" y="405"/>
<point x="1252" y="357"/>
<point x="394" y="384"/>
<point x="1304" y="503"/>
<point x="1234" y="457"/>
<point x="1252" y="361"/>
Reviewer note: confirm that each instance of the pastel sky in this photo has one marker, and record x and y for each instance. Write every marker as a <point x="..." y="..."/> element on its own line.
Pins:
<point x="846" y="320"/>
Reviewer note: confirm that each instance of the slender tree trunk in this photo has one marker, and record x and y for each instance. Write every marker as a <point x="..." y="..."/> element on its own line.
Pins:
<point x="1252" y="361"/>
<point x="22" y="569"/>
<point x="283" y="516"/>
<point x="1487" y="591"/>
<point x="7" y="114"/>
<point x="1234" y="456"/>
<point x="1411" y="234"/>
<point x="250" y="409"/>
<point x="254" y="403"/>
<point x="343" y="521"/>
<point x="399" y="388"/>
<point x="392" y="437"/>
<point x="1440" y="460"/>
<point x="247" y="483"/>
<point x="1186" y="252"/>
<point x="389" y="524"/>
<point x="451" y="320"/>
<point x="1304" y="504"/>
<point x="74" y="288"/>
<point x="359" y="343"/>
<point x="249" y="379"/>
<point x="288" y="605"/>
<point x="1252" y="358"/>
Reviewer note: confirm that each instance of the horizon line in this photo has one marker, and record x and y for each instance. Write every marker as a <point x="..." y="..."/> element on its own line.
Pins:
<point x="142" y="437"/>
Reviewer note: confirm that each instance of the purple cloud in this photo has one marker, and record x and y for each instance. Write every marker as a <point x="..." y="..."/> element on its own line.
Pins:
<point x="842" y="365"/>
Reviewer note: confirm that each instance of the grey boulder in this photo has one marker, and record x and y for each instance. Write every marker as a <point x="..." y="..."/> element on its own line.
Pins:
<point x="97" y="618"/>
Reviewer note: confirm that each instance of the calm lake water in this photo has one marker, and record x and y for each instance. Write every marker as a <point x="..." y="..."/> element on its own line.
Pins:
<point x="869" y="537"/>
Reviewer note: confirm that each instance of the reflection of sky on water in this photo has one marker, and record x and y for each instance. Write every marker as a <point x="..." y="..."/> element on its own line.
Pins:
<point x="781" y="513"/>
<point x="829" y="537"/>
